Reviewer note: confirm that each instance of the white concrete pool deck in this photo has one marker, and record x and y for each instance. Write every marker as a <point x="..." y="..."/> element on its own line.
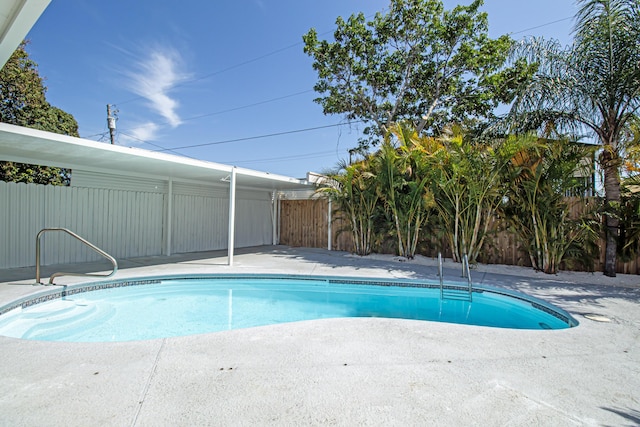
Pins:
<point x="361" y="371"/>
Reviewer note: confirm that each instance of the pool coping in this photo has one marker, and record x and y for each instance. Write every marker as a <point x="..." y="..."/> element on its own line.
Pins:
<point x="61" y="291"/>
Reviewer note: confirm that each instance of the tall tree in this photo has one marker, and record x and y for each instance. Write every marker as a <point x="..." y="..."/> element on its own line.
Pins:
<point x="23" y="103"/>
<point x="418" y="62"/>
<point x="592" y="85"/>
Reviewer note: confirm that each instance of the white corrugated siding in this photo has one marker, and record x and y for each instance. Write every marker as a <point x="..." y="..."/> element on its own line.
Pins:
<point x="201" y="218"/>
<point x="199" y="223"/>
<point x="117" y="182"/>
<point x="252" y="229"/>
<point x="221" y="191"/>
<point x="123" y="222"/>
<point x="22" y="210"/>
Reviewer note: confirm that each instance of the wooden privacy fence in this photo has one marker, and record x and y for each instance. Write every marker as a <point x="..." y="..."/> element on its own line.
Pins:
<point x="304" y="223"/>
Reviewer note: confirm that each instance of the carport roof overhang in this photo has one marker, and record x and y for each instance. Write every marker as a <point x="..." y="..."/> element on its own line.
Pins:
<point x="16" y="19"/>
<point x="33" y="146"/>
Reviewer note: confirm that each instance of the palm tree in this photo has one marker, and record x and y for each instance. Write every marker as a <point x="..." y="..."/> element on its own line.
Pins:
<point x="539" y="177"/>
<point x="591" y="85"/>
<point x="468" y="188"/>
<point x="403" y="178"/>
<point x="353" y="191"/>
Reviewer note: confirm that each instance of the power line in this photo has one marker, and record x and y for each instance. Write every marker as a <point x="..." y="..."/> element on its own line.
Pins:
<point x="238" y="65"/>
<point x="242" y="107"/>
<point x="543" y="25"/>
<point x="224" y="70"/>
<point x="207" y="115"/>
<point x="155" y="145"/>
<point x="293" y="157"/>
<point x="94" y="135"/>
<point x="258" y="136"/>
<point x="279" y="98"/>
<point x="250" y="105"/>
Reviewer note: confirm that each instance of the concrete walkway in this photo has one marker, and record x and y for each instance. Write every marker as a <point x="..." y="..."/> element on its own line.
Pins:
<point x="356" y="371"/>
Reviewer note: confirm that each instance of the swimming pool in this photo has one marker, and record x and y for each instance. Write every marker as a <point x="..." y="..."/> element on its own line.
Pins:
<point x="178" y="306"/>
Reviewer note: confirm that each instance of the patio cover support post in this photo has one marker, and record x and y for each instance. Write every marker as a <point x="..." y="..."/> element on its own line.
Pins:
<point x="232" y="215"/>
<point x="329" y="242"/>
<point x="279" y="210"/>
<point x="169" y="224"/>
<point x="274" y="217"/>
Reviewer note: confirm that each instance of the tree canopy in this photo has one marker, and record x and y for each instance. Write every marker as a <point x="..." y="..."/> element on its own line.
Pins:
<point x="592" y="85"/>
<point x="418" y="62"/>
<point x="23" y="103"/>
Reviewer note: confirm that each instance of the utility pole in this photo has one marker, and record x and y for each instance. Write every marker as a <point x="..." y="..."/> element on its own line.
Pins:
<point x="111" y="122"/>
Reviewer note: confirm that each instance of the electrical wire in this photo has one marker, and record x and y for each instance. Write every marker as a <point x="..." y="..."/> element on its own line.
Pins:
<point x="238" y="65"/>
<point x="313" y="155"/>
<point x="249" y="138"/>
<point x="161" y="148"/>
<point x="242" y="107"/>
<point x="224" y="70"/>
<point x="542" y="25"/>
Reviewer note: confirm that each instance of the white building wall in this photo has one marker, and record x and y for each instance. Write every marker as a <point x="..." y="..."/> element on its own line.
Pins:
<point x="88" y="179"/>
<point x="201" y="218"/>
<point x="253" y="229"/>
<point x="124" y="219"/>
<point x="22" y="210"/>
<point x="123" y="223"/>
<point x="199" y="223"/>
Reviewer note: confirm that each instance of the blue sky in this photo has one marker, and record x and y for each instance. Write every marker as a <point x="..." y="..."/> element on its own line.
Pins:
<point x="217" y="76"/>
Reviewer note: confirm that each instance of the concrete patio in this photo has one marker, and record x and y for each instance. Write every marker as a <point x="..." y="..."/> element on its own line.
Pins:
<point x="355" y="371"/>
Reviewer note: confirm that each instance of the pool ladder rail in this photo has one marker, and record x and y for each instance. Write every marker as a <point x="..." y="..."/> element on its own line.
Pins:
<point x="82" y="240"/>
<point x="454" y="292"/>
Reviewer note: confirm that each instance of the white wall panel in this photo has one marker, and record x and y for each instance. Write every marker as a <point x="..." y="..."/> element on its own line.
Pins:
<point x="88" y="179"/>
<point x="253" y="223"/>
<point x="199" y="223"/>
<point x="22" y="218"/>
<point x="188" y="189"/>
<point x="125" y="223"/>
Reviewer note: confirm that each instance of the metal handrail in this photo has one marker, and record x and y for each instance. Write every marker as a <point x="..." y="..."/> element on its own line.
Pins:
<point x="86" y="242"/>
<point x="440" y="274"/>
<point x="465" y="262"/>
<point x="467" y="274"/>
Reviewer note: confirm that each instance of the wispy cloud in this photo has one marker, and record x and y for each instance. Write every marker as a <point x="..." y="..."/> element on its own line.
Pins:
<point x="140" y="134"/>
<point x="154" y="76"/>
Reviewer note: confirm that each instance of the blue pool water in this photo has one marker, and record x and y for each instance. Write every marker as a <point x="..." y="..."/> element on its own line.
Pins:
<point x="194" y="306"/>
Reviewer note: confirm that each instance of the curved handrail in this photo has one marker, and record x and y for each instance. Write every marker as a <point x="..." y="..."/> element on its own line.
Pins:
<point x="86" y="242"/>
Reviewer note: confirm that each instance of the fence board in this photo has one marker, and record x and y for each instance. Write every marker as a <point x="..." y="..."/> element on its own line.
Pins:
<point x="303" y="223"/>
